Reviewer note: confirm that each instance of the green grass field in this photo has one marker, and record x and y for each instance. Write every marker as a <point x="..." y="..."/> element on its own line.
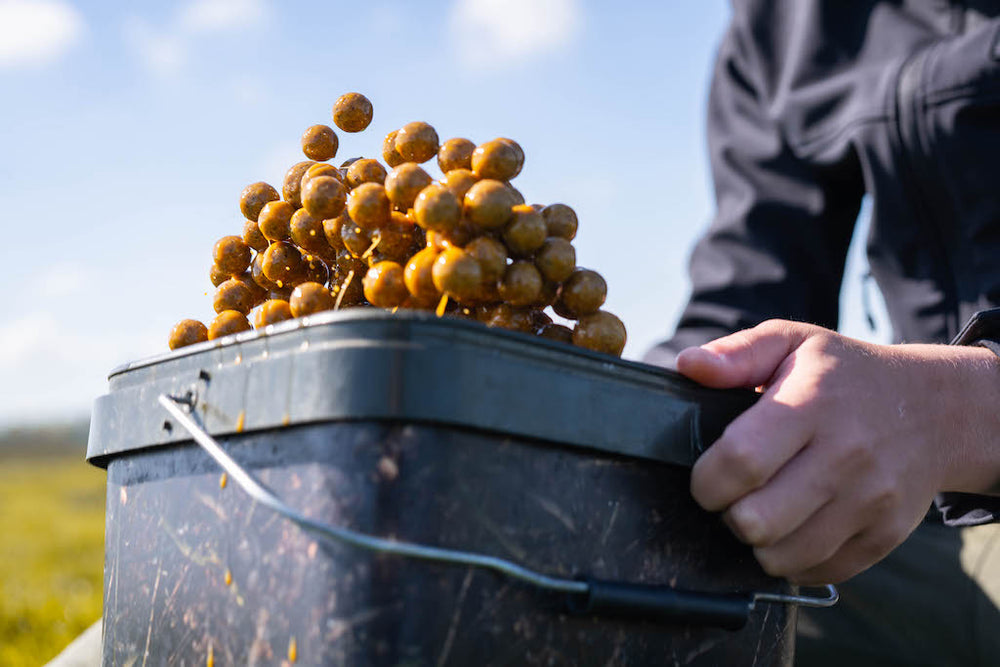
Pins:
<point x="51" y="553"/>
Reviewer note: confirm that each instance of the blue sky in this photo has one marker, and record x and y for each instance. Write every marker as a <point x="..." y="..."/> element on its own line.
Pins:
<point x="129" y="129"/>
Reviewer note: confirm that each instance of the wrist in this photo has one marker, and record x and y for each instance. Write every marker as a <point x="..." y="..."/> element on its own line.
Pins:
<point x="967" y="388"/>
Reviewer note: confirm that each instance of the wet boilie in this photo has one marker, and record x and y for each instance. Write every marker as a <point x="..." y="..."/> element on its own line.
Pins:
<point x="384" y="233"/>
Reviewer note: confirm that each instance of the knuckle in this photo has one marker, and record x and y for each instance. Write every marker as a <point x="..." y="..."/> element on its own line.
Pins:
<point x="886" y="500"/>
<point x="775" y="326"/>
<point x="791" y="328"/>
<point x="741" y="343"/>
<point x="853" y="453"/>
<point x="823" y="339"/>
<point x="741" y="459"/>
<point x="704" y="488"/>
<point x="750" y="525"/>
<point x="826" y="384"/>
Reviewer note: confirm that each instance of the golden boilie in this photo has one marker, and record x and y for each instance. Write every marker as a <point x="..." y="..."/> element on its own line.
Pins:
<point x="556" y="259"/>
<point x="307" y="232"/>
<point x="583" y="293"/>
<point x="282" y="264"/>
<point x="399" y="238"/>
<point x="384" y="234"/>
<point x="521" y="284"/>
<point x="365" y="171"/>
<point x="253" y="198"/>
<point x="389" y="152"/>
<point x="459" y="181"/>
<point x="352" y="112"/>
<point x="384" y="285"/>
<point x="272" y="311"/>
<point x="232" y="295"/>
<point x="252" y="236"/>
<point x="322" y="169"/>
<point x="526" y="231"/>
<point x="561" y="221"/>
<point x="495" y="159"/>
<point x="231" y="255"/>
<point x="404" y="183"/>
<point x="518" y="152"/>
<point x="257" y="273"/>
<point x="417" y="142"/>
<point x="320" y="143"/>
<point x="600" y="331"/>
<point x="291" y="185"/>
<point x="323" y="196"/>
<point x="457" y="274"/>
<point x="557" y="332"/>
<point x="331" y="230"/>
<point x="258" y="294"/>
<point x="368" y="206"/>
<point x="455" y="154"/>
<point x="506" y="316"/>
<point x="437" y="208"/>
<point x="489" y="204"/>
<point x="228" y="322"/>
<point x="274" y="220"/>
<point x="491" y="255"/>
<point x="309" y="298"/>
<point x="187" y="332"/>
<point x="218" y="276"/>
<point x="418" y="276"/>
<point x="355" y="238"/>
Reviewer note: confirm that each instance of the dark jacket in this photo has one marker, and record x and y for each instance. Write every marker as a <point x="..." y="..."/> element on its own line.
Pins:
<point x="815" y="103"/>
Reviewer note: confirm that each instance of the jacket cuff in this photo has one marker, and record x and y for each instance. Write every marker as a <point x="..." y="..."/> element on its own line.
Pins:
<point x="969" y="509"/>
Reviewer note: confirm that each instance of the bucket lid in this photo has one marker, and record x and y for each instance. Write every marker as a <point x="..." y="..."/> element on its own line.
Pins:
<point x="413" y="367"/>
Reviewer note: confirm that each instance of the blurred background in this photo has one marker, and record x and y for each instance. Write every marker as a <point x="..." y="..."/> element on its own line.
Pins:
<point x="128" y="131"/>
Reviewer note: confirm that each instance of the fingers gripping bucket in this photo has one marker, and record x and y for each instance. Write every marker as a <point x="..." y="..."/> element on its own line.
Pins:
<point x="410" y="490"/>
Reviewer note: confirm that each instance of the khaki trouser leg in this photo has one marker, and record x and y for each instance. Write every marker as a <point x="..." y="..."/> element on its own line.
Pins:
<point x="933" y="601"/>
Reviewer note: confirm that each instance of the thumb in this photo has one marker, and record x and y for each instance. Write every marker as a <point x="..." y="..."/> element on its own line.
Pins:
<point x="746" y="358"/>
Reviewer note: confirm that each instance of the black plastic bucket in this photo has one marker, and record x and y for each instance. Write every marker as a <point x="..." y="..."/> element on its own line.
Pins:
<point x="430" y="431"/>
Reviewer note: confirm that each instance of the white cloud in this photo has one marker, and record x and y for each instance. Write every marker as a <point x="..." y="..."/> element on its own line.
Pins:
<point x="37" y="33"/>
<point x="59" y="364"/>
<point x="503" y="32"/>
<point x="166" y="49"/>
<point x="212" y="15"/>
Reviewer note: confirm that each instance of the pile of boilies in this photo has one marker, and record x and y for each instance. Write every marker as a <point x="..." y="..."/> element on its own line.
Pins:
<point x="364" y="235"/>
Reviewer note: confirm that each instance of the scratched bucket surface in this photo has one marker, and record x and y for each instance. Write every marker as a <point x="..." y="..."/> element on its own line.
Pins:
<point x="432" y="431"/>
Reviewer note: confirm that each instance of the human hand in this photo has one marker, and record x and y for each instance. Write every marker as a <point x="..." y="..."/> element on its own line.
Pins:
<point x="841" y="456"/>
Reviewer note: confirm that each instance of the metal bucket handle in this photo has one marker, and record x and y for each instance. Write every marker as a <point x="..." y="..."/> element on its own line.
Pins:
<point x="584" y="595"/>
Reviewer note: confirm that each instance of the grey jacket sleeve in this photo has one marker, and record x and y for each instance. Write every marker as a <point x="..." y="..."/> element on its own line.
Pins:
<point x="783" y="223"/>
